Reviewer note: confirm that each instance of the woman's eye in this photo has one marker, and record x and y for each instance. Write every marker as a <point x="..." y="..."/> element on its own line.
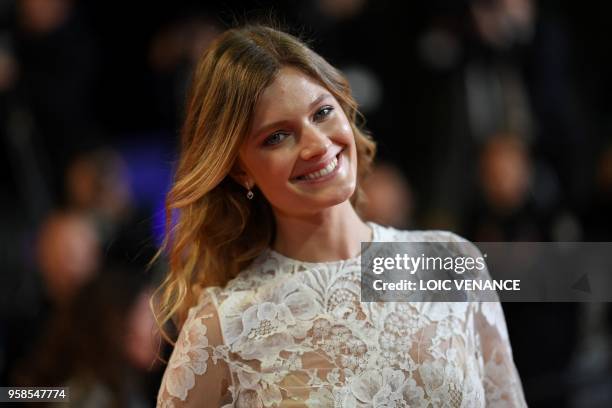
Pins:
<point x="274" y="139"/>
<point x="323" y="113"/>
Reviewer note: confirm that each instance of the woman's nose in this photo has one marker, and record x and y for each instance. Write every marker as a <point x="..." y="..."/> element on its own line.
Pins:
<point x="314" y="143"/>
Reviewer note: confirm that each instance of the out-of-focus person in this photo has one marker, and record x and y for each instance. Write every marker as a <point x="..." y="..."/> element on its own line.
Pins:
<point x="173" y="54"/>
<point x="97" y="185"/>
<point x="389" y="197"/>
<point x="58" y="69"/>
<point x="68" y="254"/>
<point x="503" y="210"/>
<point x="511" y="205"/>
<point x="102" y="345"/>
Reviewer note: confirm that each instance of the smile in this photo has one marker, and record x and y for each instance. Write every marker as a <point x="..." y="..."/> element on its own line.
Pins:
<point x="323" y="174"/>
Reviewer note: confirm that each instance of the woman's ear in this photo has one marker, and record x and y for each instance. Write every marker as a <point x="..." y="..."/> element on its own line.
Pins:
<point x="240" y="176"/>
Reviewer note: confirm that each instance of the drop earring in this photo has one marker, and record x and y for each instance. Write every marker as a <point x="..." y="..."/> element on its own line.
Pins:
<point x="249" y="193"/>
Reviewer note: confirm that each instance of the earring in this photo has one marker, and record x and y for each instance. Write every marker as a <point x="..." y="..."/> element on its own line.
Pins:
<point x="249" y="193"/>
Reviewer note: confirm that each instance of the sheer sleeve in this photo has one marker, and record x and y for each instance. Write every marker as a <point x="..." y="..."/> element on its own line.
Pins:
<point x="501" y="381"/>
<point x="197" y="373"/>
<point x="500" y="378"/>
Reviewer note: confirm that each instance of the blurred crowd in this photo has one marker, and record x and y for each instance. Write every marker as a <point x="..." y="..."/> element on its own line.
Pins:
<point x="492" y="120"/>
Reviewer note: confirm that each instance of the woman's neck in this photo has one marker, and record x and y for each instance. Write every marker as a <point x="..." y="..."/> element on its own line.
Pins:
<point x="330" y="235"/>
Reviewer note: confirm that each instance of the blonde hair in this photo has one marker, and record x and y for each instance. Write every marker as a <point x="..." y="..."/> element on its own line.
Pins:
<point x="212" y="230"/>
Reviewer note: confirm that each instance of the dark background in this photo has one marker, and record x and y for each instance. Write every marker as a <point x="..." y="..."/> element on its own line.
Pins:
<point x="493" y="119"/>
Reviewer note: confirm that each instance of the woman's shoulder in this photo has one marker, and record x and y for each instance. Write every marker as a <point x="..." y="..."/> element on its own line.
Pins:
<point x="204" y="309"/>
<point x="391" y="234"/>
<point x="196" y="367"/>
<point x="451" y="241"/>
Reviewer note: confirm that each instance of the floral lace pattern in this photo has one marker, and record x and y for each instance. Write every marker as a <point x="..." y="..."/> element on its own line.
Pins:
<point x="292" y="333"/>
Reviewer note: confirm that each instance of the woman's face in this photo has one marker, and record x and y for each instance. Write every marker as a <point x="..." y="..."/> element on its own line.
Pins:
<point x="301" y="149"/>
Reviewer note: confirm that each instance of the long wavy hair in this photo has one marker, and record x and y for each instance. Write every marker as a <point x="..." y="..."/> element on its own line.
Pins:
<point x="212" y="230"/>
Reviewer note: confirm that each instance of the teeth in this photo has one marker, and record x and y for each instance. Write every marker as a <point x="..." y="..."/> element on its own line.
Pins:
<point x="320" y="173"/>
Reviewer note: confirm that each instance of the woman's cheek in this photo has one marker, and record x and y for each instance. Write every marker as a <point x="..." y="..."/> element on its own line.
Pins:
<point x="275" y="174"/>
<point x="280" y="167"/>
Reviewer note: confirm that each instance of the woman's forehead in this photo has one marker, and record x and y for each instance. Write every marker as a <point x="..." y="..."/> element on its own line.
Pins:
<point x="291" y="83"/>
<point x="292" y="92"/>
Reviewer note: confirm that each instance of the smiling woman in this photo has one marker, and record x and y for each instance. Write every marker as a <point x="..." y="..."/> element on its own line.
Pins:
<point x="313" y="166"/>
<point x="265" y="254"/>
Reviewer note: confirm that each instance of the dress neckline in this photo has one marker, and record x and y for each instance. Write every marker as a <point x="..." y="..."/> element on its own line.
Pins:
<point x="375" y="237"/>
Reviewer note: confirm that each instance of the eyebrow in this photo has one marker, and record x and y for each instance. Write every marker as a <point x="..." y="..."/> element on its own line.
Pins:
<point x="319" y="99"/>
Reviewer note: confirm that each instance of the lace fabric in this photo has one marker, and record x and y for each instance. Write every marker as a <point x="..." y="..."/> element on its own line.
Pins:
<point x="286" y="333"/>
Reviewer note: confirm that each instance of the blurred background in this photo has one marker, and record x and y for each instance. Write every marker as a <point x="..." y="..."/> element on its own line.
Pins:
<point x="493" y="119"/>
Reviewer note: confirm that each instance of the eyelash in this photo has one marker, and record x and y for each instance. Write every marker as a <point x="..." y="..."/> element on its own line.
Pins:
<point x="330" y="108"/>
<point x="325" y="108"/>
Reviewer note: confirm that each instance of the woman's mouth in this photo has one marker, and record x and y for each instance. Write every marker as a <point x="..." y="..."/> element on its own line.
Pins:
<point x="325" y="173"/>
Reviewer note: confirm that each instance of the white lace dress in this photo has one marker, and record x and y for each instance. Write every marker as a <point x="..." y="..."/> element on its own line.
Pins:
<point x="287" y="333"/>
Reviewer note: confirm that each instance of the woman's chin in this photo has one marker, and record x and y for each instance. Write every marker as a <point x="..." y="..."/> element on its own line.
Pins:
<point x="328" y="197"/>
<point x="312" y="200"/>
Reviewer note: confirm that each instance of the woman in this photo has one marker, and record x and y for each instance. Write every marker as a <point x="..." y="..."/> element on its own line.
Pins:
<point x="265" y="254"/>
